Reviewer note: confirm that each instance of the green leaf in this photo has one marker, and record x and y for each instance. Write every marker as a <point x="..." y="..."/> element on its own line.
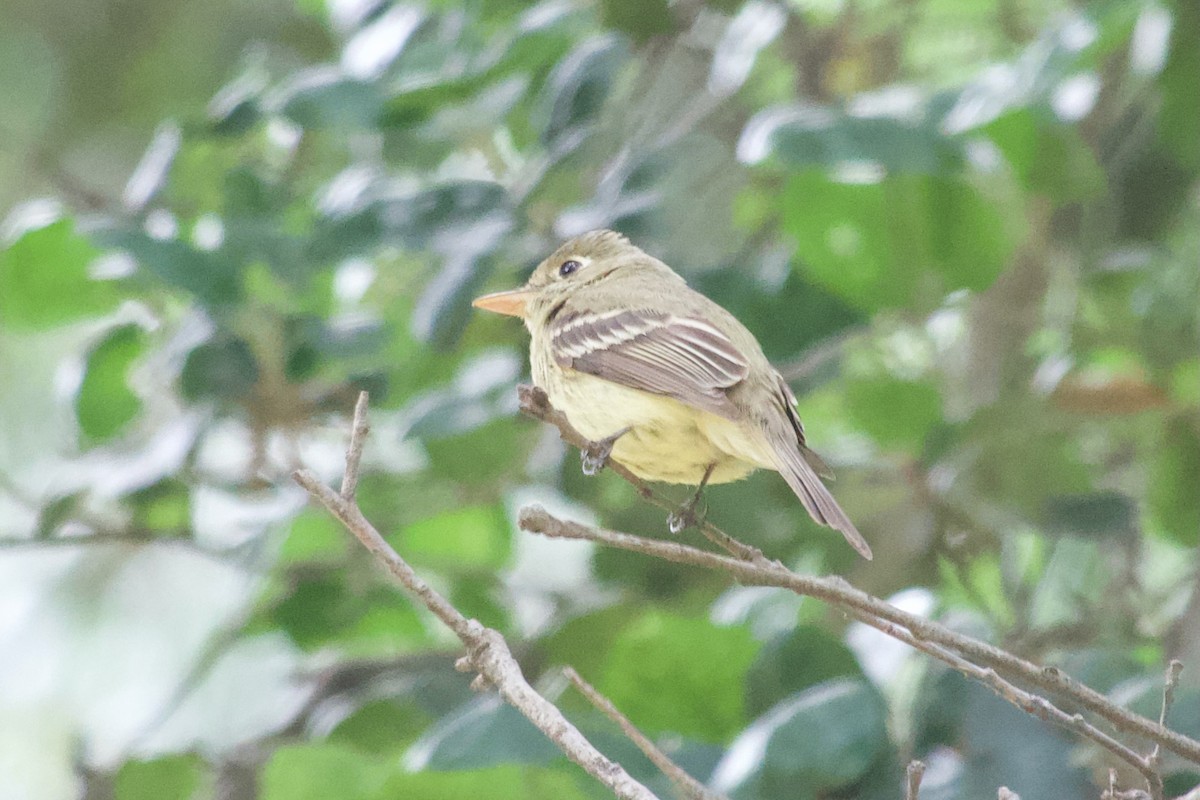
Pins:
<point x="806" y="656"/>
<point x="805" y="137"/>
<point x="324" y="610"/>
<point x="164" y="506"/>
<point x="584" y="641"/>
<point x="236" y="117"/>
<point x="499" y="783"/>
<point x="105" y="403"/>
<point x="313" y="536"/>
<point x="640" y="20"/>
<point x="336" y="236"/>
<point x="485" y="733"/>
<point x="381" y="726"/>
<point x="464" y="539"/>
<point x="464" y="222"/>
<point x="1179" y="119"/>
<point x="322" y="772"/>
<point x="1076" y="577"/>
<point x="481" y="455"/>
<point x="439" y="216"/>
<point x="482" y="391"/>
<point x="44" y="280"/>
<point x="818" y="740"/>
<point x="896" y="413"/>
<point x="752" y="29"/>
<point x="314" y="611"/>
<point x="813" y="313"/>
<point x="324" y="99"/>
<point x="1172" y="502"/>
<point x="386" y="623"/>
<point x="851" y="718"/>
<point x="1096" y="515"/>
<point x="210" y="276"/>
<point x="680" y="674"/>
<point x="1046" y="155"/>
<point x="875" y="244"/>
<point x="577" y="88"/>
<point x="444" y="308"/>
<point x="1024" y="471"/>
<point x="1102" y="668"/>
<point x="840" y="242"/>
<point x="178" y="777"/>
<point x="224" y="368"/>
<point x="483" y="599"/>
<point x="1006" y="746"/>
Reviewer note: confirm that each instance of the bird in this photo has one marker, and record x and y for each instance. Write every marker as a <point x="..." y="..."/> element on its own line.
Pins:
<point x="660" y="378"/>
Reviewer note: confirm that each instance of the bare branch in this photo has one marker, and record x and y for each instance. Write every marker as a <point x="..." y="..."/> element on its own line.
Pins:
<point x="913" y="775"/>
<point x="487" y="651"/>
<point x="872" y="610"/>
<point x="688" y="786"/>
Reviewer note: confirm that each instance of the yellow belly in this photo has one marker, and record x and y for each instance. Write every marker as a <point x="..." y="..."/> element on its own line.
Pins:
<point x="667" y="440"/>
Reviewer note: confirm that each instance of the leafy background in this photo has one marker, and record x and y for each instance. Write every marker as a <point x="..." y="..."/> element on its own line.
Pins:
<point x="968" y="232"/>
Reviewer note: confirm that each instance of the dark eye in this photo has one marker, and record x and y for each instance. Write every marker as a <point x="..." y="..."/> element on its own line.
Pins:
<point x="568" y="267"/>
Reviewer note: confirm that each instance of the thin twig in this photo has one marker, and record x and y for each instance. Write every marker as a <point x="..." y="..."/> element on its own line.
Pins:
<point x="1152" y="761"/>
<point x="1043" y="709"/>
<point x="1026" y="701"/>
<point x="1170" y="681"/>
<point x="358" y="440"/>
<point x="835" y="590"/>
<point x="688" y="786"/>
<point x="913" y="775"/>
<point x="535" y="404"/>
<point x="487" y="651"/>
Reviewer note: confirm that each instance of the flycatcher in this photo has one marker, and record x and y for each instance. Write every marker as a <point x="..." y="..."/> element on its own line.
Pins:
<point x="661" y="378"/>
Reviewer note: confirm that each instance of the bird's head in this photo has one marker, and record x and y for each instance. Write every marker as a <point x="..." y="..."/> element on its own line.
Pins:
<point x="583" y="261"/>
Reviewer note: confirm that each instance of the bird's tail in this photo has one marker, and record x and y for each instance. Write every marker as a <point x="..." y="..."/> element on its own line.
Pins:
<point x="788" y="456"/>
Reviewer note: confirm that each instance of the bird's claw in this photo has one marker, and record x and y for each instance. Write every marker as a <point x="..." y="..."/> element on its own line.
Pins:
<point x="594" y="457"/>
<point x="596" y="454"/>
<point x="686" y="515"/>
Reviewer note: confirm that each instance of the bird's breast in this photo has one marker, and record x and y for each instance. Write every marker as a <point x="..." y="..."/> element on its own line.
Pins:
<point x="667" y="440"/>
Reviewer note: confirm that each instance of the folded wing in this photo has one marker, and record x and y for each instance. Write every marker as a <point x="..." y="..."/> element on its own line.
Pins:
<point x="657" y="352"/>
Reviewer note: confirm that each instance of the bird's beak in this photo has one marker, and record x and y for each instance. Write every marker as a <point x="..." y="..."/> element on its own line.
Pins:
<point x="511" y="302"/>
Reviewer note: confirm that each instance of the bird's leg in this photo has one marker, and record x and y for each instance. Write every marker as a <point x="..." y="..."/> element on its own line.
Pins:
<point x="685" y="516"/>
<point x="596" y="454"/>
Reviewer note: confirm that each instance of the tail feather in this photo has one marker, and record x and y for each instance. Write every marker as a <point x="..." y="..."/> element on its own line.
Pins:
<point x="795" y="469"/>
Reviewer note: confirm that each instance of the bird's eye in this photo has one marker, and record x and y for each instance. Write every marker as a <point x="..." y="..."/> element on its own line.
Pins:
<point x="568" y="267"/>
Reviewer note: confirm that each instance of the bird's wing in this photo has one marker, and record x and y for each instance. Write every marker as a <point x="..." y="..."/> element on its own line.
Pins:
<point x="789" y="406"/>
<point x="680" y="357"/>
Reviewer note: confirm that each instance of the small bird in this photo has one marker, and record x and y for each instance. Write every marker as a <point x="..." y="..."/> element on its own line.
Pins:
<point x="661" y="378"/>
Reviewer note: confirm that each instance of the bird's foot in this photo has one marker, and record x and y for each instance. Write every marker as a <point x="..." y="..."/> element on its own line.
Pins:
<point x="596" y="454"/>
<point x="689" y="515"/>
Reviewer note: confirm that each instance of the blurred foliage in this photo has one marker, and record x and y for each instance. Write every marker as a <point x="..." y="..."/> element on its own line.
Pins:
<point x="966" y="232"/>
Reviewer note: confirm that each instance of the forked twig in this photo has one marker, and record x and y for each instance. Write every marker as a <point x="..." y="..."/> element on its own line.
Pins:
<point x="487" y="651"/>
